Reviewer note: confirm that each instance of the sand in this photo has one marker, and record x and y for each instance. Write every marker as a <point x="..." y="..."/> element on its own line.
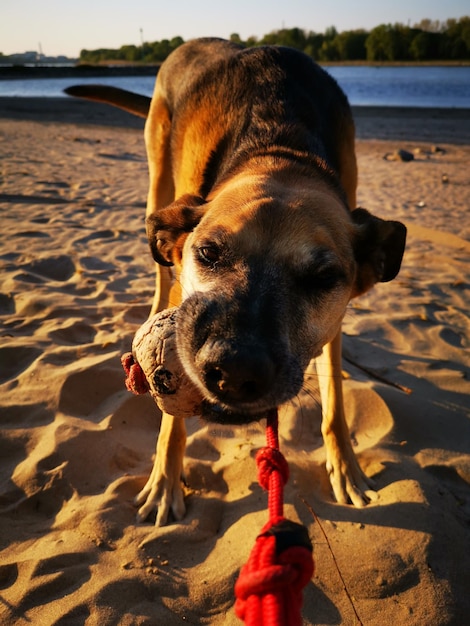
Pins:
<point x="76" y="447"/>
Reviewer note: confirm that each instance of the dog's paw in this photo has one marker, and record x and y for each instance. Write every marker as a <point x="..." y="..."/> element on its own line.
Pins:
<point x="349" y="483"/>
<point x="161" y="495"/>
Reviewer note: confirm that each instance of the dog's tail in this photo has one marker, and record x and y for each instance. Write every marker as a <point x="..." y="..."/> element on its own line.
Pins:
<point x="121" y="98"/>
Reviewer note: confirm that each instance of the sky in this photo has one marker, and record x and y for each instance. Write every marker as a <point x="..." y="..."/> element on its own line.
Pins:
<point x="62" y="27"/>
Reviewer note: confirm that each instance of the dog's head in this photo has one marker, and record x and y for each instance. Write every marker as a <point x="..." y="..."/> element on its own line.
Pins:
<point x="266" y="274"/>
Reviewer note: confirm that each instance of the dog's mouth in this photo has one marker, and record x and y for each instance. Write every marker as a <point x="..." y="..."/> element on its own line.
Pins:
<point x="243" y="404"/>
<point x="216" y="413"/>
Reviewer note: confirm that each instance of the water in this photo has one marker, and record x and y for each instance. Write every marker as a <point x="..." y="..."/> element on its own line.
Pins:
<point x="54" y="87"/>
<point x="425" y="86"/>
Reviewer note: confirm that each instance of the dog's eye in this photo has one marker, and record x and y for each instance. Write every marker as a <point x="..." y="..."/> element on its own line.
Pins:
<point x="328" y="277"/>
<point x="209" y="254"/>
<point x="323" y="279"/>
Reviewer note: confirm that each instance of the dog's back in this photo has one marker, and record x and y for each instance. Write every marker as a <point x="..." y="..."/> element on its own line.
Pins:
<point x="252" y="98"/>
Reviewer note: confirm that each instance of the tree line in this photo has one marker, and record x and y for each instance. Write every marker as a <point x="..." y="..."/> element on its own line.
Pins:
<point x="427" y="41"/>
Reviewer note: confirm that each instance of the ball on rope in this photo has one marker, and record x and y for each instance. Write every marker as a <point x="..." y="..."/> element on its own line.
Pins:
<point x="154" y="366"/>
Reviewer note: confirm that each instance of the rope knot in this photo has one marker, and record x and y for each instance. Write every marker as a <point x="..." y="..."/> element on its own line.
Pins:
<point x="135" y="377"/>
<point x="279" y="567"/>
<point x="271" y="460"/>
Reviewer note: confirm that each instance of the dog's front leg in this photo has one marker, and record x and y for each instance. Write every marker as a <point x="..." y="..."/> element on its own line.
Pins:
<point x="163" y="284"/>
<point x="163" y="491"/>
<point x="348" y="481"/>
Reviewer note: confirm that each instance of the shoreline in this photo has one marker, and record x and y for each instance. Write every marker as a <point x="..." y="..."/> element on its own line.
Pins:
<point x="404" y="124"/>
<point x="123" y="68"/>
<point x="20" y="72"/>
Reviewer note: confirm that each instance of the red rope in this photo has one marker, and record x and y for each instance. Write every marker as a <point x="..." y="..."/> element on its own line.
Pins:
<point x="135" y="377"/>
<point x="269" y="588"/>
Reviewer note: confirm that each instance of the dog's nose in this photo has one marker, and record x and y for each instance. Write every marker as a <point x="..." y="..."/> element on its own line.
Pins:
<point x="239" y="378"/>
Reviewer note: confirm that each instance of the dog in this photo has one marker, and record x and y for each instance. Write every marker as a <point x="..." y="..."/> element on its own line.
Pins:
<point x="252" y="220"/>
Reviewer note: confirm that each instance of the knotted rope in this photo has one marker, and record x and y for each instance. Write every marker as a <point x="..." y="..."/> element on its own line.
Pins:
<point x="269" y="588"/>
<point x="135" y="377"/>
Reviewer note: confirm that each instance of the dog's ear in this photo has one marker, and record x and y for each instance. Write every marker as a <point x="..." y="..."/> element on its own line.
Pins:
<point x="378" y="249"/>
<point x="167" y="229"/>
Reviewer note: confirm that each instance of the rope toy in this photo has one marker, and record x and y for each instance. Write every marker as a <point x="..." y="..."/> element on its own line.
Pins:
<point x="269" y="588"/>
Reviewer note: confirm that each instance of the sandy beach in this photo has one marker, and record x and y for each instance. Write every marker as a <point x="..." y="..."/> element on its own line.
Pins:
<point x="76" y="446"/>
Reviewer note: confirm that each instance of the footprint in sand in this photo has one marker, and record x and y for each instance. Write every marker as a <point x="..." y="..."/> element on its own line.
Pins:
<point x="76" y="333"/>
<point x="56" y="577"/>
<point x="7" y="304"/>
<point x="60" y="268"/>
<point x="369" y="418"/>
<point x="8" y="575"/>
<point x="86" y="140"/>
<point x="125" y="156"/>
<point x="387" y="574"/>
<point x="452" y="338"/>
<point x="83" y="391"/>
<point x="58" y="185"/>
<point x="29" y="415"/>
<point x="95" y="264"/>
<point x="24" y="277"/>
<point x="18" y="198"/>
<point x="10" y="256"/>
<point x="32" y="234"/>
<point x="16" y="359"/>
<point x="99" y="234"/>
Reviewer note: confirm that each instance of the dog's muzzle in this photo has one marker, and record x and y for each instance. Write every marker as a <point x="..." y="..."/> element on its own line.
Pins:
<point x="235" y="375"/>
<point x="235" y="354"/>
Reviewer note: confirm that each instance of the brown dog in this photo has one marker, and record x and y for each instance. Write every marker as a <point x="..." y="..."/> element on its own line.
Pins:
<point x="251" y="201"/>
